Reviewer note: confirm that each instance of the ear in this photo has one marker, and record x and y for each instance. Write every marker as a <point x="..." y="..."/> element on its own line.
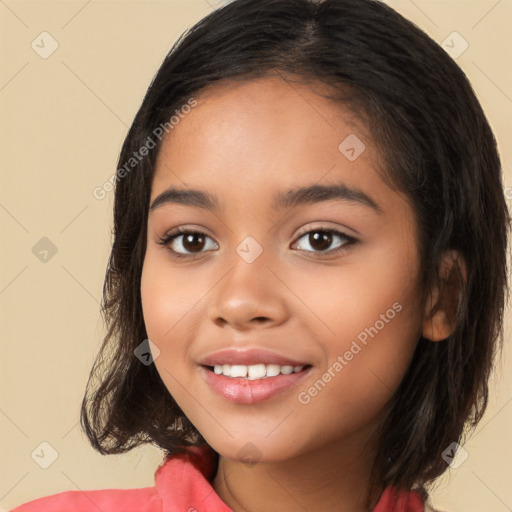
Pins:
<point x="441" y="309"/>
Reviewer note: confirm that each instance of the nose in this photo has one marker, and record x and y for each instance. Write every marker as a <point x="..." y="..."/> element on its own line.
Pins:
<point x="250" y="296"/>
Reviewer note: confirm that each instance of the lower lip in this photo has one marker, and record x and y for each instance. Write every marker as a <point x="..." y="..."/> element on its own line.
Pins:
<point x="244" y="391"/>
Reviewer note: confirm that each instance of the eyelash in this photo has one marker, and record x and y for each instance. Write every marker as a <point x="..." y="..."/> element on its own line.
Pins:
<point x="169" y="237"/>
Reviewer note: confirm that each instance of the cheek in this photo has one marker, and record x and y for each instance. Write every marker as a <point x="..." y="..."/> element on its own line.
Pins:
<point x="168" y="299"/>
<point x="342" y="302"/>
<point x="364" y="365"/>
<point x="173" y="308"/>
<point x="161" y="313"/>
<point x="373" y="316"/>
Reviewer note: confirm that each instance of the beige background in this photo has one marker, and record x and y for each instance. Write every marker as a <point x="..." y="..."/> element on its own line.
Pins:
<point x="63" y="122"/>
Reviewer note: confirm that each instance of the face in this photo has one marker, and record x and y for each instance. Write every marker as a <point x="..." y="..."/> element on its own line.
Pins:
<point x="267" y="277"/>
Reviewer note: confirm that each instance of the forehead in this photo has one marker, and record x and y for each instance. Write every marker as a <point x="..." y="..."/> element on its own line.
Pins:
<point x="266" y="107"/>
<point x="265" y="134"/>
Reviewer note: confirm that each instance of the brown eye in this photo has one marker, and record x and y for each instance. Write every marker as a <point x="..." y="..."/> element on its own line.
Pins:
<point x="184" y="243"/>
<point x="321" y="240"/>
<point x="193" y="242"/>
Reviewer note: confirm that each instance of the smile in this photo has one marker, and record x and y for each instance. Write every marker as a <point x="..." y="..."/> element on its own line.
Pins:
<point x="252" y="384"/>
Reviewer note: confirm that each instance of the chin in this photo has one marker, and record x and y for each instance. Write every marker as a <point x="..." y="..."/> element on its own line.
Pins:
<point x="251" y="449"/>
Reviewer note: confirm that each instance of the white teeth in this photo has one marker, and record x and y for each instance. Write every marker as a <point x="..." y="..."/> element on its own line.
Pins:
<point x="239" y="370"/>
<point x="255" y="371"/>
<point x="273" y="370"/>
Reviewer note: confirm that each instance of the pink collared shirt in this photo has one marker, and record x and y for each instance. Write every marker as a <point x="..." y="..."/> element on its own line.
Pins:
<point x="182" y="484"/>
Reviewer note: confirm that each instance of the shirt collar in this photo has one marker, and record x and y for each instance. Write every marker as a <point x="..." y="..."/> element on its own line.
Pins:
<point x="183" y="483"/>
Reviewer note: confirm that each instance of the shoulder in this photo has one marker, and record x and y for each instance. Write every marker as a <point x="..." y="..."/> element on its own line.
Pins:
<point x="180" y="480"/>
<point x="109" y="500"/>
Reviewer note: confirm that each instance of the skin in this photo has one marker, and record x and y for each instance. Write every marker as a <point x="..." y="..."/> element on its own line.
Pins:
<point x="244" y="142"/>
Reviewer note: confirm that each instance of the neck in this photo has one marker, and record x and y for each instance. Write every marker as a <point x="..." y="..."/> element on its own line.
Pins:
<point x="324" y="479"/>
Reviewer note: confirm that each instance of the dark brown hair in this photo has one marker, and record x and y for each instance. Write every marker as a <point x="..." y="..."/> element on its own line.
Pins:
<point x="437" y="147"/>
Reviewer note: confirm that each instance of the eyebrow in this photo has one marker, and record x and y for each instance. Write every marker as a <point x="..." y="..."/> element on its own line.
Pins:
<point x="299" y="196"/>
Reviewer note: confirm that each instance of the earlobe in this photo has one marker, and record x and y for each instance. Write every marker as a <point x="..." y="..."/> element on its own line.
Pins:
<point x="441" y="312"/>
<point x="437" y="327"/>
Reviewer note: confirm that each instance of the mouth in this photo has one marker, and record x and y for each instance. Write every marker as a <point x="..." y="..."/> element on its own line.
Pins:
<point x="252" y="384"/>
<point x="253" y="375"/>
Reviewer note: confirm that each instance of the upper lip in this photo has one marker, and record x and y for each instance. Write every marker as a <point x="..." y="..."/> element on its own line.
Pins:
<point x="248" y="357"/>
